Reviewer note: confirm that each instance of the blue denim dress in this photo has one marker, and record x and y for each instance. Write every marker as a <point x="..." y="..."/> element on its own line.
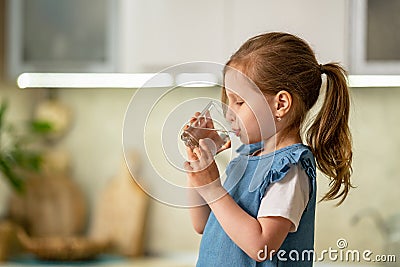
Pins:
<point x="248" y="177"/>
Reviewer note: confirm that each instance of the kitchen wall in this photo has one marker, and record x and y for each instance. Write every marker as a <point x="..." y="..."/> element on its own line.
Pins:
<point x="375" y="173"/>
<point x="94" y="141"/>
<point x="2" y="29"/>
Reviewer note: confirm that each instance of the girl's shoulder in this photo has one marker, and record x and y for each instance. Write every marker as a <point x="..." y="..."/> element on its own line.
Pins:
<point x="275" y="165"/>
<point x="296" y="154"/>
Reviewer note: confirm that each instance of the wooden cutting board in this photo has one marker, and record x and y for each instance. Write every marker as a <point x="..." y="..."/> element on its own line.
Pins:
<point x="120" y="213"/>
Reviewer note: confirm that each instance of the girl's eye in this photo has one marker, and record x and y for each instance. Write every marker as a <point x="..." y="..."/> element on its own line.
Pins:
<point x="239" y="103"/>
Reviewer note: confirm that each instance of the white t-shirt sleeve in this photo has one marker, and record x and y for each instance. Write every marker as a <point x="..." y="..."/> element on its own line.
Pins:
<point x="287" y="198"/>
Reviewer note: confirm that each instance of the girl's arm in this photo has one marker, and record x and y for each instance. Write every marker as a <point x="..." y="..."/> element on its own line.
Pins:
<point x="199" y="210"/>
<point x="198" y="214"/>
<point x="252" y="235"/>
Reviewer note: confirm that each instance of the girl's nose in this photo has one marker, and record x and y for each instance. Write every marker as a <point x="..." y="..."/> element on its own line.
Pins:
<point x="230" y="115"/>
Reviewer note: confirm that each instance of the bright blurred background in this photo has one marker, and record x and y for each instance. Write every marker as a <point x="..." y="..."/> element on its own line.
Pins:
<point x="136" y="36"/>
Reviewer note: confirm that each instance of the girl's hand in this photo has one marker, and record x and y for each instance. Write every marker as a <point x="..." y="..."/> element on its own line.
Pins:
<point x="207" y="122"/>
<point x="202" y="170"/>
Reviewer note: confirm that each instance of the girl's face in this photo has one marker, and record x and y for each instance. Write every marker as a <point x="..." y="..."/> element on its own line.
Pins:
<point x="248" y="112"/>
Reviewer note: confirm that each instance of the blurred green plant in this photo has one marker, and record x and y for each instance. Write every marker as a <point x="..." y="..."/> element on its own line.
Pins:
<point x="18" y="156"/>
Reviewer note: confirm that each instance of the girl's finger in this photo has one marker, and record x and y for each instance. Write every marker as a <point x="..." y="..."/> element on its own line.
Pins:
<point x="191" y="166"/>
<point x="225" y="146"/>
<point x="197" y="152"/>
<point x="190" y="154"/>
<point x="194" y="118"/>
<point x="187" y="167"/>
<point x="202" y="153"/>
<point x="209" y="121"/>
<point x="208" y="148"/>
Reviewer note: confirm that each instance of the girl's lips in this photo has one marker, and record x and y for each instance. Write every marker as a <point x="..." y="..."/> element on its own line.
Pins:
<point x="237" y="131"/>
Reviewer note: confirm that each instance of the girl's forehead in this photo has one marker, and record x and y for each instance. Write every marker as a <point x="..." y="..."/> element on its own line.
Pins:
<point x="231" y="93"/>
<point x="239" y="85"/>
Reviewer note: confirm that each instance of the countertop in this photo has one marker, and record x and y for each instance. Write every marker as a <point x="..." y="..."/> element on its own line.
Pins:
<point x="109" y="261"/>
<point x="170" y="260"/>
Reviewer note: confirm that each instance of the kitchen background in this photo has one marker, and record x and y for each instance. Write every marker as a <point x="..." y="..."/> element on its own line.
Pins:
<point x="156" y="34"/>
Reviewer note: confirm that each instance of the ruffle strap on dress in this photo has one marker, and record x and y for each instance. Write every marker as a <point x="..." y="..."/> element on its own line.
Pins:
<point x="282" y="163"/>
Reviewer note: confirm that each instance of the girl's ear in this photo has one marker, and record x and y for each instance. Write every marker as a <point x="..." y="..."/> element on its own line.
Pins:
<point x="283" y="102"/>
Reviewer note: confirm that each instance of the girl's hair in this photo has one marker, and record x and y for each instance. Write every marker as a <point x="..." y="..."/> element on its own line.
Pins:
<point x="280" y="61"/>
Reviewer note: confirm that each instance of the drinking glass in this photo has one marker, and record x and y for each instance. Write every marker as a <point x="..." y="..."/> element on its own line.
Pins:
<point x="212" y="124"/>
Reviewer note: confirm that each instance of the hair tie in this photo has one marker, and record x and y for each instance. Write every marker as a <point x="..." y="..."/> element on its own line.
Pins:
<point x="321" y="68"/>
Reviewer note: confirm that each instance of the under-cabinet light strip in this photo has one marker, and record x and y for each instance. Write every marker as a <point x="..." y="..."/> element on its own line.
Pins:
<point x="374" y="81"/>
<point x="150" y="80"/>
<point x="94" y="80"/>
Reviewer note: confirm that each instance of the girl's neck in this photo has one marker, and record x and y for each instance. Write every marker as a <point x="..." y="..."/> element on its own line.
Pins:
<point x="276" y="142"/>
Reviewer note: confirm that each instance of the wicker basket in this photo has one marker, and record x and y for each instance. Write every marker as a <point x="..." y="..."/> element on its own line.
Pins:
<point x="62" y="248"/>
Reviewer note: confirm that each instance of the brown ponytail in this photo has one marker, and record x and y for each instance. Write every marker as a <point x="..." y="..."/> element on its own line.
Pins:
<point x="278" y="61"/>
<point x="329" y="136"/>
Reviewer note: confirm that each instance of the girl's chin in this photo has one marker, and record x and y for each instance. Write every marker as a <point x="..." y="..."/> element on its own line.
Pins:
<point x="246" y="141"/>
<point x="243" y="139"/>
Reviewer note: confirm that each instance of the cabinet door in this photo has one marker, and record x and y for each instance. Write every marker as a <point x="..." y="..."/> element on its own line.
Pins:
<point x="60" y="36"/>
<point x="320" y="23"/>
<point x="375" y="37"/>
<point x="157" y="34"/>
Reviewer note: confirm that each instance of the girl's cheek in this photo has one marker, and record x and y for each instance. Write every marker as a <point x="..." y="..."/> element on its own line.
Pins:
<point x="231" y="114"/>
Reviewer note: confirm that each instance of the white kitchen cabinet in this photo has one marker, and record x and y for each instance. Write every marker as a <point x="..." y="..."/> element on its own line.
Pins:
<point x="320" y="23"/>
<point x="157" y="34"/>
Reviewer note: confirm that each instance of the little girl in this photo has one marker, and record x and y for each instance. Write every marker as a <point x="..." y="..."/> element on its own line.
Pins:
<point x="271" y="222"/>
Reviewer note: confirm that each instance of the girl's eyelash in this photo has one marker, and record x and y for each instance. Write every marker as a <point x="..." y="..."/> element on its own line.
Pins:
<point x="237" y="102"/>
